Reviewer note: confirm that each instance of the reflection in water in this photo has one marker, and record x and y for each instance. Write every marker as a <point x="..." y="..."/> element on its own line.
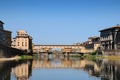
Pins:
<point x="5" y="71"/>
<point x="72" y="63"/>
<point x="8" y="66"/>
<point x="23" y="71"/>
<point x="106" y="69"/>
<point x="30" y="69"/>
<point x="110" y="70"/>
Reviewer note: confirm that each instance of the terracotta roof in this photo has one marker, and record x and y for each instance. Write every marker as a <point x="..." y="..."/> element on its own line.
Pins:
<point x="117" y="26"/>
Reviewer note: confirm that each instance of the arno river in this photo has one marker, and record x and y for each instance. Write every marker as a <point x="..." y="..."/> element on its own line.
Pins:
<point x="59" y="68"/>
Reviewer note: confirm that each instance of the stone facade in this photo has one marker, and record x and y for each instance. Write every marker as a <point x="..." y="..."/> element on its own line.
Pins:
<point x="5" y="35"/>
<point x="22" y="41"/>
<point x="91" y="45"/>
<point x="110" y="38"/>
<point x="21" y="72"/>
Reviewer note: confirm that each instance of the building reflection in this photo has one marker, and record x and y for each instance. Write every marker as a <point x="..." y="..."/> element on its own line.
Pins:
<point x="105" y="69"/>
<point x="5" y="71"/>
<point x="110" y="70"/>
<point x="6" y="68"/>
<point x="23" y="71"/>
<point x="69" y="63"/>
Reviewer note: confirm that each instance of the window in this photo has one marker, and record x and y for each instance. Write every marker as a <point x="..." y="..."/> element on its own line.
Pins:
<point x="25" y="43"/>
<point x="22" y="44"/>
<point x="18" y="43"/>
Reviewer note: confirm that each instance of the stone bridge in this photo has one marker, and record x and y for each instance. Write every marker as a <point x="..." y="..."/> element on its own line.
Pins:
<point x="62" y="48"/>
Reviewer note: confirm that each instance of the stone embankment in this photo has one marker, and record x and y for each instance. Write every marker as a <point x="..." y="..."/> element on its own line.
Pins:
<point x="8" y="52"/>
<point x="9" y="59"/>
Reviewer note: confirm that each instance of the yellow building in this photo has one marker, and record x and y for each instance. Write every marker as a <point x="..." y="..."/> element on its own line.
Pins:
<point x="91" y="45"/>
<point x="22" y="41"/>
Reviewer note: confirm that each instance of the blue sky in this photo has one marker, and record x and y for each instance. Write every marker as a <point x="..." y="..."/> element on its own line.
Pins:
<point x="59" y="21"/>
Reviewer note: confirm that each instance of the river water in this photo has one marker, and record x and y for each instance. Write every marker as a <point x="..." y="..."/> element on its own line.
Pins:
<point x="68" y="68"/>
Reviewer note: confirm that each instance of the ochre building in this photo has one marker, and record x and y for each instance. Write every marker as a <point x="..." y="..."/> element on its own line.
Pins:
<point x="22" y="41"/>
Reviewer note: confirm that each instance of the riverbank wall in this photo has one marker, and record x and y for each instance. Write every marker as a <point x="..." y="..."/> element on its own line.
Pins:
<point x="111" y="52"/>
<point x="8" y="52"/>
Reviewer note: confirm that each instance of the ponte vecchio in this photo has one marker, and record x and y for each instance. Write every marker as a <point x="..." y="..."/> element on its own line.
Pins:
<point x="64" y="49"/>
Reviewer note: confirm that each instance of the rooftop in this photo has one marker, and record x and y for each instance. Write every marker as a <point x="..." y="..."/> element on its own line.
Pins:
<point x="93" y="37"/>
<point x="117" y="26"/>
<point x="1" y="22"/>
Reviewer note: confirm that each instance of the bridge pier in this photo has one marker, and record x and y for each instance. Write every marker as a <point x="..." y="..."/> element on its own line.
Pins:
<point x="67" y="54"/>
<point x="59" y="54"/>
<point x="45" y="55"/>
<point x="63" y="48"/>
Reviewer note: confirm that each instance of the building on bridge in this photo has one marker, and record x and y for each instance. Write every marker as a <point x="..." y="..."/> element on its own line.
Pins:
<point x="65" y="48"/>
<point x="89" y="46"/>
<point x="22" y="41"/>
<point x="62" y="48"/>
<point x="5" y="35"/>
